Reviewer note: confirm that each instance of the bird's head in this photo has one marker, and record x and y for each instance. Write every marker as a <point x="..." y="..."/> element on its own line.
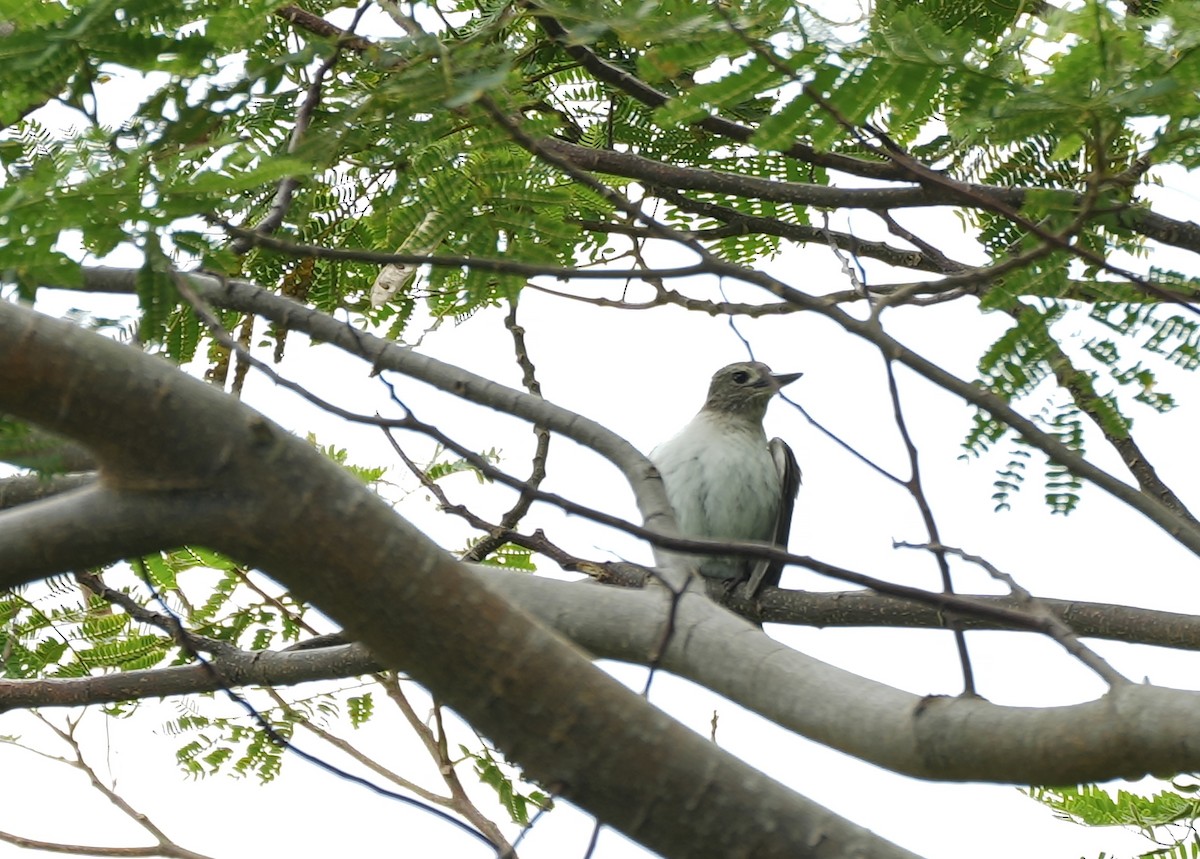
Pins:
<point x="746" y="387"/>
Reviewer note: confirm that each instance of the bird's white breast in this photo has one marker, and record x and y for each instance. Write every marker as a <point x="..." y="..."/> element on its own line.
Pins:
<point x="722" y="482"/>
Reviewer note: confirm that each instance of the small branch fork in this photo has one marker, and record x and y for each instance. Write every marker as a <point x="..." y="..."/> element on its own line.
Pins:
<point x="163" y="846"/>
<point x="1055" y="627"/>
<point x="917" y="491"/>
<point x="1050" y="623"/>
<point x="537" y="474"/>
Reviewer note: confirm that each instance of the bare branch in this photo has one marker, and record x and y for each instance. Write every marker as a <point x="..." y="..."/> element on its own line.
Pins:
<point x="537" y="474"/>
<point x="1054" y="626"/>
<point x="500" y="266"/>
<point x="163" y="846"/>
<point x="917" y="491"/>
<point x="381" y="353"/>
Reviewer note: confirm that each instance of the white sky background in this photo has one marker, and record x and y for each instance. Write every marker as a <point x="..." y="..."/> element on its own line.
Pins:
<point x="644" y="374"/>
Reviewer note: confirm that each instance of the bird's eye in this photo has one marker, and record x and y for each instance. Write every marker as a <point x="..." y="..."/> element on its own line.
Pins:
<point x="741" y="377"/>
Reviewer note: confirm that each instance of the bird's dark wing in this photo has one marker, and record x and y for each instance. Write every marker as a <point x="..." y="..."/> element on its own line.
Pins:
<point x="767" y="573"/>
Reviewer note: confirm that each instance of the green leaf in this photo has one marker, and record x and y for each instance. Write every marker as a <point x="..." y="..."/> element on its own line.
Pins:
<point x="360" y="708"/>
<point x="511" y="557"/>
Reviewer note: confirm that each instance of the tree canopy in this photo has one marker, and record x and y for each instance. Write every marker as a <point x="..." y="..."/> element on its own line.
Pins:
<point x="363" y="175"/>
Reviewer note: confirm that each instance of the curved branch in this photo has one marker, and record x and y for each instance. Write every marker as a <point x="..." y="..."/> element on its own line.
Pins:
<point x="1132" y="731"/>
<point x="384" y="354"/>
<point x="249" y="298"/>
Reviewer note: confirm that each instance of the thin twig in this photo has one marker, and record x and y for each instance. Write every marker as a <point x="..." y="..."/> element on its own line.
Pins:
<point x="537" y="473"/>
<point x="489" y="264"/>
<point x="536" y="542"/>
<point x="840" y="442"/>
<point x="164" y="845"/>
<point x="913" y="484"/>
<point x="1053" y="625"/>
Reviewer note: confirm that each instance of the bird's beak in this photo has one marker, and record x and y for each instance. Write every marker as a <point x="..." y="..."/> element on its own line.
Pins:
<point x="781" y="379"/>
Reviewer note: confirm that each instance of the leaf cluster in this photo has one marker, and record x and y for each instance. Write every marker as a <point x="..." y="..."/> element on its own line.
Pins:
<point x="1166" y="818"/>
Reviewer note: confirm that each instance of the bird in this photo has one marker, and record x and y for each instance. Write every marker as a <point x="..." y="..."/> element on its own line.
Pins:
<point x="725" y="481"/>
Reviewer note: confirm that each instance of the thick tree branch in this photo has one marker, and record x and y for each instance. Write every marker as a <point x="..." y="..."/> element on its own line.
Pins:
<point x="99" y="524"/>
<point x="312" y="660"/>
<point x="1132" y="731"/>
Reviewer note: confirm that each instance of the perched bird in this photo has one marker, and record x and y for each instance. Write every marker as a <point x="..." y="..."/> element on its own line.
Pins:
<point x="726" y="481"/>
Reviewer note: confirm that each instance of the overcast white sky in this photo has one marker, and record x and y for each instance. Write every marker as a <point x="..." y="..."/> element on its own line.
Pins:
<point x="644" y="374"/>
